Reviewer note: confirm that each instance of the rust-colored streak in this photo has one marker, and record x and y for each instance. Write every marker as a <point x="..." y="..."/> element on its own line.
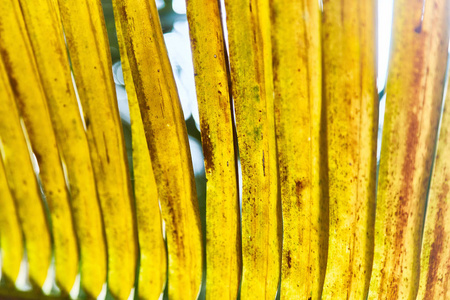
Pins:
<point x="405" y="199"/>
<point x="8" y="66"/>
<point x="408" y="170"/>
<point x="437" y="246"/>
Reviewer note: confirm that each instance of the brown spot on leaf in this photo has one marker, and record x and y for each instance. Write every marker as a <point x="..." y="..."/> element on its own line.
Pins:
<point x="263" y="165"/>
<point x="288" y="259"/>
<point x="208" y="150"/>
<point x="299" y="186"/>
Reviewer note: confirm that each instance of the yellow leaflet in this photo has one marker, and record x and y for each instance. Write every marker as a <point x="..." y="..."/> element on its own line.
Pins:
<point x="20" y="174"/>
<point x="435" y="255"/>
<point x="30" y="97"/>
<point x="10" y="229"/>
<point x="223" y="248"/>
<point x="351" y="103"/>
<point x="89" y="51"/>
<point x="296" y="38"/>
<point x="167" y="141"/>
<point x="153" y="261"/>
<point x="414" y="96"/>
<point x="249" y="35"/>
<point x="45" y="31"/>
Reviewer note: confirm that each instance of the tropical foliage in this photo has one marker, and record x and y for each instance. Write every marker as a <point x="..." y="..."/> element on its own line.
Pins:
<point x="288" y="105"/>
